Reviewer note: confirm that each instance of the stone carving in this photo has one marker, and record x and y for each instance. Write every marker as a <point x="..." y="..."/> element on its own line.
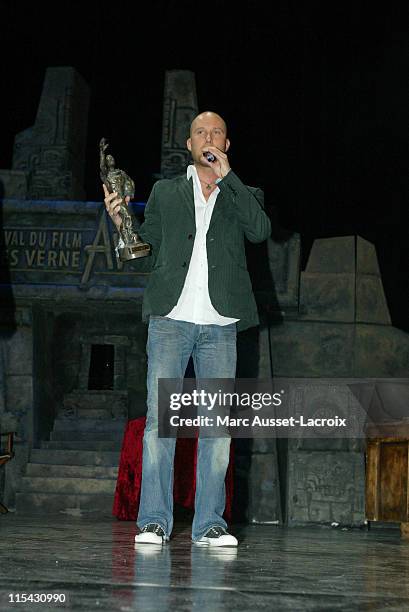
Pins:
<point x="179" y="109"/>
<point x="326" y="487"/>
<point x="284" y="264"/>
<point x="51" y="154"/>
<point x="13" y="182"/>
<point x="342" y="282"/>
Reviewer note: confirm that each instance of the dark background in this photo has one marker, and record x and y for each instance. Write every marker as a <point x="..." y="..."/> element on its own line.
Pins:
<point x="315" y="95"/>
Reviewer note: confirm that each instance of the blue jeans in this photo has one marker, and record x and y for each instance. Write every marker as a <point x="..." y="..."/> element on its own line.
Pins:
<point x="169" y="346"/>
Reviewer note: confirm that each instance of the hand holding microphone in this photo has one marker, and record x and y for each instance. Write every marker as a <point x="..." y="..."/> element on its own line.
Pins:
<point x="209" y="156"/>
<point x="217" y="160"/>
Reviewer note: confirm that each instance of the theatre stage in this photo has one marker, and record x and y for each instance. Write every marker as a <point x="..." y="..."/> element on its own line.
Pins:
<point x="96" y="564"/>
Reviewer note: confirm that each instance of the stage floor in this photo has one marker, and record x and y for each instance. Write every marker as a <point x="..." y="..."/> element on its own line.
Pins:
<point x="95" y="563"/>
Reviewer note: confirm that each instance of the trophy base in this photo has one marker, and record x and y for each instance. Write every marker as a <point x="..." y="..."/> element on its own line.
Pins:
<point x="133" y="251"/>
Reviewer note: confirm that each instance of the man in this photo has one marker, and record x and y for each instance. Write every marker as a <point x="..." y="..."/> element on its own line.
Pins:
<point x="199" y="295"/>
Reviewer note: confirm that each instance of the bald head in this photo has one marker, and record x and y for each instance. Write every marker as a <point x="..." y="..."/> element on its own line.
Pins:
<point x="204" y="119"/>
<point x="207" y="129"/>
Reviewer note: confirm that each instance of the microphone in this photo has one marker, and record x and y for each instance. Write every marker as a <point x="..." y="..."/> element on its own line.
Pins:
<point x="209" y="156"/>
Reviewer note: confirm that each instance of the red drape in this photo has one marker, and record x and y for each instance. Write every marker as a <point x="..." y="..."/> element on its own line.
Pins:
<point x="127" y="492"/>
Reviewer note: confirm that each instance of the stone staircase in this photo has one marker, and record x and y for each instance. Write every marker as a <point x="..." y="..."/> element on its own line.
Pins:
<point x="75" y="472"/>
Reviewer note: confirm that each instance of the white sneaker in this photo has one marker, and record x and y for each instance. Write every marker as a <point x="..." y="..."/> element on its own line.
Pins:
<point x="217" y="536"/>
<point x="151" y="534"/>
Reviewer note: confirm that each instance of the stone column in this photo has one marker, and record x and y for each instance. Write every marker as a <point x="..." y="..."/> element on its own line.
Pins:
<point x="179" y="110"/>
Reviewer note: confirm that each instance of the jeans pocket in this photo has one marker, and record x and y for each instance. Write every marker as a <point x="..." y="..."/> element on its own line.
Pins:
<point x="229" y="333"/>
<point x="159" y="324"/>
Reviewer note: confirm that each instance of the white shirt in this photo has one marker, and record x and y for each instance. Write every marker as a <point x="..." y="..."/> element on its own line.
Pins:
<point x="194" y="303"/>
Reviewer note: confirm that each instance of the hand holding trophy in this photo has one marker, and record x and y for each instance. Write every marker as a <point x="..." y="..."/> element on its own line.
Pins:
<point x="115" y="180"/>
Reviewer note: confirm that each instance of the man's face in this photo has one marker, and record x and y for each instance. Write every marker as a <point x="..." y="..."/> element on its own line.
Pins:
<point x="207" y="129"/>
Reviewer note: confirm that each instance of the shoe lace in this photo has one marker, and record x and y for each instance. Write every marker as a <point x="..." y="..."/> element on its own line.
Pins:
<point x="217" y="531"/>
<point x="156" y="528"/>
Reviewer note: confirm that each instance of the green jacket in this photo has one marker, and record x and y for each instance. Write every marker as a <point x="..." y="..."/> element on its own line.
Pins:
<point x="170" y="228"/>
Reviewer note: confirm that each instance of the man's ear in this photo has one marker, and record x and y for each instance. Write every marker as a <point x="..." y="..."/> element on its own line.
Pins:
<point x="227" y="145"/>
<point x="189" y="144"/>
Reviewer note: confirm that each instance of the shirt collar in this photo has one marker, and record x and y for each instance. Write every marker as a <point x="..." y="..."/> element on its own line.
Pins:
<point x="191" y="173"/>
<point x="191" y="170"/>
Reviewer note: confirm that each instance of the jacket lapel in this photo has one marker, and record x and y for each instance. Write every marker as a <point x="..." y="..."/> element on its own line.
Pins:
<point x="218" y="209"/>
<point x="188" y="199"/>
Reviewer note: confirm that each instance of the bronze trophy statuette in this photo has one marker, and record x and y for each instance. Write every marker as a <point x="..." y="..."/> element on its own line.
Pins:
<point x="130" y="245"/>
